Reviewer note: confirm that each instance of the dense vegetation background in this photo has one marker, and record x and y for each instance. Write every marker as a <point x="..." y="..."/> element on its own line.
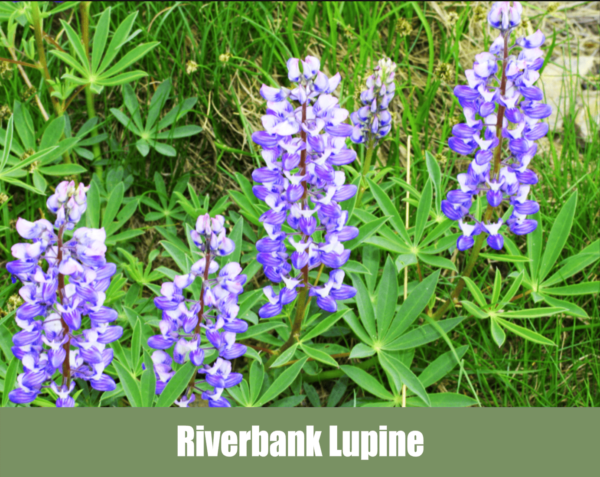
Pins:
<point x="221" y="53"/>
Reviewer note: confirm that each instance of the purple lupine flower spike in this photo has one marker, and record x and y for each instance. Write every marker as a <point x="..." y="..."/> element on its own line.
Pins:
<point x="215" y="312"/>
<point x="373" y="120"/>
<point x="301" y="147"/>
<point x="51" y="315"/>
<point x="496" y="109"/>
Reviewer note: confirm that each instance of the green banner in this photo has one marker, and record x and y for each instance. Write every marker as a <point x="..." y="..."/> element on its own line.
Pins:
<point x="421" y="441"/>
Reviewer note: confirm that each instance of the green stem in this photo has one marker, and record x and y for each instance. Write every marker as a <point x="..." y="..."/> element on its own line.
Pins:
<point x="84" y="9"/>
<point x="365" y="169"/>
<point x="39" y="42"/>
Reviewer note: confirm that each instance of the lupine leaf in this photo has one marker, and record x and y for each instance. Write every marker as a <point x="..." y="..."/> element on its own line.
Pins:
<point x="365" y="306"/>
<point x="387" y="297"/>
<point x="422" y="335"/>
<point x="587" y="288"/>
<point x="531" y="312"/>
<point x="388" y="208"/>
<point x="412" y="307"/>
<point x="558" y="236"/>
<point x="100" y="37"/>
<point x="394" y="366"/>
<point x="131" y="386"/>
<point x="473" y="309"/>
<point x="9" y="380"/>
<point x="177" y="385"/>
<point x="475" y="291"/>
<point x="148" y="382"/>
<point x="367" y="382"/>
<point x="319" y="355"/>
<point x="283" y="381"/>
<point x="257" y="374"/>
<point x="525" y="333"/>
<point x="497" y="332"/>
<point x="285" y="357"/>
<point x="435" y="175"/>
<point x="441" y="366"/>
<point x="422" y="212"/>
<point x="324" y="325"/>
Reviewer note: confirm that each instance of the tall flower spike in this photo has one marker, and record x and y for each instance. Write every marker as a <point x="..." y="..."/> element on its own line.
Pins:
<point x="302" y="145"/>
<point x="52" y="337"/>
<point x="215" y="312"/>
<point x="496" y="109"/>
<point x="373" y="120"/>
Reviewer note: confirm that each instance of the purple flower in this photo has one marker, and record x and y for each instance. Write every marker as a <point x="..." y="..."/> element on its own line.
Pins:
<point x="499" y="105"/>
<point x="372" y="120"/>
<point x="302" y="145"/>
<point x="51" y="315"/>
<point x="215" y="312"/>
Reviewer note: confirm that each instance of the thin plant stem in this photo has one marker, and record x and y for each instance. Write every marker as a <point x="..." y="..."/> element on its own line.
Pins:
<point x="84" y="9"/>
<point x="61" y="292"/>
<point x="406" y="225"/>
<point x="365" y="169"/>
<point x="489" y="211"/>
<point x="39" y="41"/>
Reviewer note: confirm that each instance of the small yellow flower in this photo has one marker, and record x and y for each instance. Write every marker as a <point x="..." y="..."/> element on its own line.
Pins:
<point x="191" y="67"/>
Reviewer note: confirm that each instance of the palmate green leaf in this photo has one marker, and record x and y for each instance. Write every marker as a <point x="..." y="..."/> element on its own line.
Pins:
<point x="53" y="132"/>
<point x="9" y="380"/>
<point x="127" y="77"/>
<point x="353" y="322"/>
<point x="159" y="98"/>
<point x="257" y="330"/>
<point x="366" y="231"/>
<point x="62" y="170"/>
<point x="100" y="38"/>
<point x="512" y="291"/>
<point x="497" y="332"/>
<point x="387" y="297"/>
<point x="475" y="291"/>
<point x="178" y="255"/>
<point x="396" y="367"/>
<point x="439" y="230"/>
<point x="73" y="63"/>
<point x="118" y="40"/>
<point x="24" y="125"/>
<point x="365" y="306"/>
<point x="257" y="375"/>
<point x="164" y="149"/>
<point x="437" y="262"/>
<point x="76" y="46"/>
<point x="441" y="245"/>
<point x="177" y="113"/>
<point x="574" y="264"/>
<point x="148" y="382"/>
<point x="177" y="385"/>
<point x="352" y="266"/>
<point x="324" y="325"/>
<point x="319" y="355"/>
<point x="136" y="345"/>
<point x="125" y="121"/>
<point x="531" y="313"/>
<point x="367" y="382"/>
<point x="337" y="392"/>
<point x="131" y="386"/>
<point x="113" y="204"/>
<point x="412" y="307"/>
<point x="569" y="307"/>
<point x="130" y="57"/>
<point x="388" y="208"/>
<point x="285" y="357"/>
<point x="474" y="310"/>
<point x="422" y="212"/>
<point x="441" y="366"/>
<point x="535" y="245"/>
<point x="505" y="258"/>
<point x="133" y="106"/>
<point x="283" y="381"/>
<point x="443" y="400"/>
<point x="179" y="132"/>
<point x="558" y="236"/>
<point x="422" y="335"/>
<point x="587" y="288"/>
<point x="391" y="245"/>
<point x="361" y="350"/>
<point x="497" y="287"/>
<point x="525" y="333"/>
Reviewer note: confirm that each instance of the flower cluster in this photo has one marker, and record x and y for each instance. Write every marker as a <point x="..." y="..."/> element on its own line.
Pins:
<point x="373" y="120"/>
<point x="497" y="109"/>
<point x="301" y="146"/>
<point x="72" y="286"/>
<point x="215" y="311"/>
